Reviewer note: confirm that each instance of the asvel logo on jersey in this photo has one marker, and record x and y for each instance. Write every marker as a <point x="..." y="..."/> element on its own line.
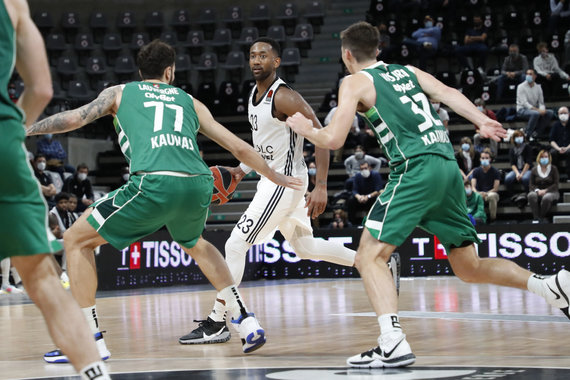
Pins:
<point x="268" y="97"/>
<point x="135" y="256"/>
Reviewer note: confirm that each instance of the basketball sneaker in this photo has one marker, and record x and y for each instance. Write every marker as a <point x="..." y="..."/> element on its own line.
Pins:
<point x="10" y="289"/>
<point x="208" y="331"/>
<point x="394" y="264"/>
<point x="250" y="331"/>
<point x="559" y="290"/>
<point x="56" y="356"/>
<point x="394" y="353"/>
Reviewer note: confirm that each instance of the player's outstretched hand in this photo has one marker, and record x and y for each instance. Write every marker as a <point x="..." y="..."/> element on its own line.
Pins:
<point x="237" y="173"/>
<point x="492" y="129"/>
<point x="284" y="180"/>
<point x="300" y="124"/>
<point x="316" y="201"/>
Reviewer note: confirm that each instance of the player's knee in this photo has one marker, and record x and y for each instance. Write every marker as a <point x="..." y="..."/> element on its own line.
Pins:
<point x="466" y="270"/>
<point x="303" y="247"/>
<point x="236" y="246"/>
<point x="371" y="255"/>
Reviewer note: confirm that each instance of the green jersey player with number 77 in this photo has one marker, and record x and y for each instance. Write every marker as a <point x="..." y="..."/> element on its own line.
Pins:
<point x="425" y="188"/>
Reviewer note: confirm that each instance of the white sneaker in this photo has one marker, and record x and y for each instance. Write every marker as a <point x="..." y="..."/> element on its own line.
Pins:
<point x="394" y="354"/>
<point x="250" y="331"/>
<point x="56" y="356"/>
<point x="559" y="290"/>
<point x="12" y="290"/>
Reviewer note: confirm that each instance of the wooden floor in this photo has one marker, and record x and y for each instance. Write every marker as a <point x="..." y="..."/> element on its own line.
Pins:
<point x="309" y="324"/>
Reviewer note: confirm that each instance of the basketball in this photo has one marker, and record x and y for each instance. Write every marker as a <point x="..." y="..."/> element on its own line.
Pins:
<point x="224" y="185"/>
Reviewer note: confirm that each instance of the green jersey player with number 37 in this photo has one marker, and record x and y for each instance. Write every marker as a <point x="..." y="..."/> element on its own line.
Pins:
<point x="170" y="185"/>
<point x="425" y="188"/>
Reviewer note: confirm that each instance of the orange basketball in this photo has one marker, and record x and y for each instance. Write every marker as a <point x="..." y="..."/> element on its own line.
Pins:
<point x="224" y="185"/>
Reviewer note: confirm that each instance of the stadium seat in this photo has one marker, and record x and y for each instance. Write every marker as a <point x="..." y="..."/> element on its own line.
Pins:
<point x="207" y="21"/>
<point x="234" y="65"/>
<point x="183" y="66"/>
<point x="79" y="93"/>
<point x="471" y="83"/>
<point x="555" y="44"/>
<point x="181" y="22"/>
<point x="222" y="42"/>
<point x="207" y="65"/>
<point x="206" y="93"/>
<point x="70" y="24"/>
<point x="513" y="19"/>
<point x="330" y="100"/>
<point x="195" y="44"/>
<point x="84" y="45"/>
<point x="288" y="16"/>
<point x="538" y="20"/>
<point x="66" y="69"/>
<point x="234" y="20"/>
<point x="138" y="41"/>
<point x="277" y="32"/>
<point x="44" y="22"/>
<point x="111" y="46"/>
<point x="246" y="87"/>
<point x="55" y="46"/>
<point x="125" y="68"/>
<point x="95" y="68"/>
<point x="527" y="42"/>
<point x="260" y="17"/>
<point x="228" y="95"/>
<point x="447" y="78"/>
<point x="290" y="62"/>
<point x="126" y="25"/>
<point x="246" y="38"/>
<point x="98" y="24"/>
<point x="303" y="37"/>
<point x="169" y="37"/>
<point x="315" y="14"/>
<point x="154" y="23"/>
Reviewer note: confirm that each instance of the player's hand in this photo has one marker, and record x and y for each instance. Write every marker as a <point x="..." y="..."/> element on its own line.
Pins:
<point x="492" y="129"/>
<point x="283" y="180"/>
<point x="300" y="124"/>
<point x="316" y="201"/>
<point x="237" y="173"/>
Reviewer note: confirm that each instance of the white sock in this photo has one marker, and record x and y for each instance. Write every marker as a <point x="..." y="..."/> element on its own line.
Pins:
<point x="16" y="275"/>
<point x="389" y="323"/>
<point x="95" y="371"/>
<point x="91" y="316"/>
<point x="5" y="265"/>
<point x="309" y="247"/>
<point x="218" y="312"/>
<point x="234" y="303"/>
<point x="535" y="284"/>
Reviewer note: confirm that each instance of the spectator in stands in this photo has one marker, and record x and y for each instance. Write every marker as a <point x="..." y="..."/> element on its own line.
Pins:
<point x="339" y="220"/>
<point x="384" y="45"/>
<point x="80" y="185"/>
<point x="425" y="41"/>
<point x="46" y="183"/>
<point x="560" y="141"/>
<point x="474" y="45"/>
<point x="54" y="153"/>
<point x="367" y="186"/>
<point x="353" y="139"/>
<point x="72" y="207"/>
<point x="442" y="113"/>
<point x="352" y="164"/>
<point x="480" y="142"/>
<point x="475" y="205"/>
<point x="520" y="156"/>
<point x="548" y="72"/>
<point x="312" y="170"/>
<point x="467" y="158"/>
<point x="61" y="211"/>
<point x="559" y="15"/>
<point x="125" y="175"/>
<point x="543" y="189"/>
<point x="485" y="181"/>
<point x="530" y="106"/>
<point x="513" y="70"/>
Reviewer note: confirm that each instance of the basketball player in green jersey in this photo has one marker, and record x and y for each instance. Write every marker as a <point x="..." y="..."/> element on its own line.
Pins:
<point x="424" y="189"/>
<point x="24" y="231"/>
<point x="170" y="185"/>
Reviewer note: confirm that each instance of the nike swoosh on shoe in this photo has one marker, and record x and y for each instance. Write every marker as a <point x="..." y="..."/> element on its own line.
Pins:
<point x="212" y="336"/>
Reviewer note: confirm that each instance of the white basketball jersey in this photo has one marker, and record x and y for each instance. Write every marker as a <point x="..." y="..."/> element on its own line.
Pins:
<point x="281" y="148"/>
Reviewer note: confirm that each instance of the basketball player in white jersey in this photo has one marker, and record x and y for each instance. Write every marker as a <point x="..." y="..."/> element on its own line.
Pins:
<point x="273" y="207"/>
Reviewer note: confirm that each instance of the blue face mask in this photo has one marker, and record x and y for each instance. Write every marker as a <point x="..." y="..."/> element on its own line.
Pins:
<point x="519" y="140"/>
<point x="312" y="171"/>
<point x="544" y="161"/>
<point x="48" y="136"/>
<point x="528" y="78"/>
<point x="485" y="162"/>
<point x="465" y="147"/>
<point x="428" y="24"/>
<point x="468" y="191"/>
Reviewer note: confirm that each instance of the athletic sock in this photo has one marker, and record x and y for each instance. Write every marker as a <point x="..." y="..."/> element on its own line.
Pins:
<point x="535" y="284"/>
<point x="95" y="371"/>
<point x="16" y="276"/>
<point x="390" y="330"/>
<point x="234" y="303"/>
<point x="5" y="265"/>
<point x="91" y="316"/>
<point x="218" y="313"/>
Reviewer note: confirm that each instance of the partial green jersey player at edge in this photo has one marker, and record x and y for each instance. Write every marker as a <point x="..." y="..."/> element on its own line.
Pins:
<point x="170" y="185"/>
<point x="425" y="187"/>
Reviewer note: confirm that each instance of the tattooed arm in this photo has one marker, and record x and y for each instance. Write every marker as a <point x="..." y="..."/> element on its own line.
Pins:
<point x="106" y="103"/>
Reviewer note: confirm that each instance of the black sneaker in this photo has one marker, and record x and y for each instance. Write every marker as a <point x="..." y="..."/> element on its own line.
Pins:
<point x="208" y="331"/>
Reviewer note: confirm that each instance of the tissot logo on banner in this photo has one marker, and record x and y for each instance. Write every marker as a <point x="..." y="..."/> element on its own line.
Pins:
<point x="135" y="250"/>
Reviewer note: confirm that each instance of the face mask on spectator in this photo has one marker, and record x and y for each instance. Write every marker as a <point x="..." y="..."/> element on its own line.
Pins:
<point x="480" y="108"/>
<point x="513" y="54"/>
<point x="359" y="155"/>
<point x="365" y="173"/>
<point x="485" y="163"/>
<point x="428" y="24"/>
<point x="544" y="54"/>
<point x="126" y="176"/>
<point x="563" y="117"/>
<point x="81" y="176"/>
<point x="544" y="161"/>
<point x="468" y="191"/>
<point x="465" y="147"/>
<point x="41" y="166"/>
<point x="312" y="171"/>
<point x="529" y="78"/>
<point x="519" y="140"/>
<point x="435" y="106"/>
<point x="48" y="136"/>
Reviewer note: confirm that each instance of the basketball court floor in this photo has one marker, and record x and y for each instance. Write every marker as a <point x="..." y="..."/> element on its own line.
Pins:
<point x="456" y="330"/>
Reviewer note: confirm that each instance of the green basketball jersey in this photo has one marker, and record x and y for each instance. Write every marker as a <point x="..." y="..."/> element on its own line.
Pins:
<point x="157" y="126"/>
<point x="8" y="110"/>
<point x="403" y="120"/>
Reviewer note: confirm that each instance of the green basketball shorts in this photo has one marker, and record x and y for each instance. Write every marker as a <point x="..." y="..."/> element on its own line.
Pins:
<point x="425" y="191"/>
<point x="24" y="227"/>
<point x="149" y="201"/>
